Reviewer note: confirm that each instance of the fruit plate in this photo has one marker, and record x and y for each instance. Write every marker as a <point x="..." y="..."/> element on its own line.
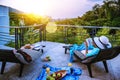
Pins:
<point x="58" y="75"/>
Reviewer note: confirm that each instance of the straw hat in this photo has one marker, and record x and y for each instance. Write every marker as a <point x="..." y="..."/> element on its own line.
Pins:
<point x="101" y="41"/>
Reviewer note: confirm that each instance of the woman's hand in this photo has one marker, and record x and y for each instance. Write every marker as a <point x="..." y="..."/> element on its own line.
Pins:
<point x="86" y="51"/>
<point x="86" y="47"/>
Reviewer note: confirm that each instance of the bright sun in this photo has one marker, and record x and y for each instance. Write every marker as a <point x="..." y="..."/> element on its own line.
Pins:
<point x="37" y="7"/>
<point x="38" y="11"/>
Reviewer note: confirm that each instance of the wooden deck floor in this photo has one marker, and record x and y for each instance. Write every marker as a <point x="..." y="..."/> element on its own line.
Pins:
<point x="59" y="59"/>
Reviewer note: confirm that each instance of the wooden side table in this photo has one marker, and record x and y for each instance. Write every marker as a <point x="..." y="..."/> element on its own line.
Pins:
<point x="67" y="48"/>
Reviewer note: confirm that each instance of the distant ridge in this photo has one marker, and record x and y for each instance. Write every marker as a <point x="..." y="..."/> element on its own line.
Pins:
<point x="14" y="10"/>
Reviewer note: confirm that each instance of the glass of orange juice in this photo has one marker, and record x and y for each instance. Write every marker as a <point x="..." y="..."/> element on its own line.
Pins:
<point x="48" y="70"/>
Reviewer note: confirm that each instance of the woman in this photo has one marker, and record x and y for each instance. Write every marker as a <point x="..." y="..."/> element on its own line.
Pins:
<point x="91" y="44"/>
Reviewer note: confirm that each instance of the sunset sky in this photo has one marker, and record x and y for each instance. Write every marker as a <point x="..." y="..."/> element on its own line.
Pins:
<point x="54" y="8"/>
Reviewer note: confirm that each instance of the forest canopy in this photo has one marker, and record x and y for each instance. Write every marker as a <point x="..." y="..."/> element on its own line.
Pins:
<point x="107" y="14"/>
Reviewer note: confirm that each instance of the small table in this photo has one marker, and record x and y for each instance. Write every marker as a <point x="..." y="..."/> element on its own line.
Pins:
<point x="38" y="46"/>
<point x="67" y="48"/>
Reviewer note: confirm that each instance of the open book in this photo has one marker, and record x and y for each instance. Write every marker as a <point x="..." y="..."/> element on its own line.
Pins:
<point x="81" y="54"/>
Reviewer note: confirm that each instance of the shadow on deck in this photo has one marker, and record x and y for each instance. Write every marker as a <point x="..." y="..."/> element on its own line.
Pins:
<point x="58" y="59"/>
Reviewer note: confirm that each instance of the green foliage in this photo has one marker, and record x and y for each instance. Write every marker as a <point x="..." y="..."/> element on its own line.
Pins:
<point x="14" y="19"/>
<point x="103" y="31"/>
<point x="98" y="22"/>
<point x="116" y="22"/>
<point x="74" y="35"/>
<point x="117" y="37"/>
<point x="88" y="16"/>
<point x="31" y="36"/>
<point x="108" y="23"/>
<point x="12" y="31"/>
<point x="114" y="39"/>
<point x="56" y="36"/>
<point x="101" y="15"/>
<point x="29" y="19"/>
<point x="10" y="44"/>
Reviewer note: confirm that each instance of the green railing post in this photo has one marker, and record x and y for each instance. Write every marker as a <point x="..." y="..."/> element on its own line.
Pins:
<point x="16" y="38"/>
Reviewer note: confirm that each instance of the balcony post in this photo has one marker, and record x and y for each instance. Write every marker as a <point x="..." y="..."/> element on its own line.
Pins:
<point x="16" y="38"/>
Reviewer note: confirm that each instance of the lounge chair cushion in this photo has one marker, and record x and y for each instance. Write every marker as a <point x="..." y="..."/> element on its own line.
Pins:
<point x="27" y="55"/>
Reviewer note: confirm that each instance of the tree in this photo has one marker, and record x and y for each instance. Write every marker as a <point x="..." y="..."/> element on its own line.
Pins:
<point x="110" y="7"/>
<point x="96" y="10"/>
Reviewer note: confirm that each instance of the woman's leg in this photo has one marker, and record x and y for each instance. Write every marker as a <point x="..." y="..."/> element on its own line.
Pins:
<point x="72" y="49"/>
<point x="71" y="56"/>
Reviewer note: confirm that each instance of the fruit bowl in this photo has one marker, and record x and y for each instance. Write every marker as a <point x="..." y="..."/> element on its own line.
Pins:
<point x="57" y="75"/>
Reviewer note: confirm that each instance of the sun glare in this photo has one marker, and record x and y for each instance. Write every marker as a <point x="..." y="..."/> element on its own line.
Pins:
<point x="37" y="7"/>
<point x="51" y="27"/>
<point x="38" y="11"/>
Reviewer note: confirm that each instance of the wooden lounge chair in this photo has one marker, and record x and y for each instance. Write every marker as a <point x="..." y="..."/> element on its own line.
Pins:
<point x="103" y="55"/>
<point x="8" y="56"/>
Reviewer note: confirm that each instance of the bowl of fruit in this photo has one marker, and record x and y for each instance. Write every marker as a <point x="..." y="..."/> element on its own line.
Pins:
<point x="57" y="75"/>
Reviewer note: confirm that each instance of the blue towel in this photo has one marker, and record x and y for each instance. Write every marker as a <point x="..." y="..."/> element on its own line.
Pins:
<point x="79" y="48"/>
<point x="94" y="52"/>
<point x="72" y="73"/>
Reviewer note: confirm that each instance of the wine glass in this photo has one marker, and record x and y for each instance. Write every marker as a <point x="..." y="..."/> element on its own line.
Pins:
<point x="43" y="43"/>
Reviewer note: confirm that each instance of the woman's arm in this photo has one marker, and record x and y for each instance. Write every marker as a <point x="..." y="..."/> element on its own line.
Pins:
<point x="86" y="47"/>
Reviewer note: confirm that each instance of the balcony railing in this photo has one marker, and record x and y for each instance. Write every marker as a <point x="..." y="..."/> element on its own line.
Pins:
<point x="68" y="34"/>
